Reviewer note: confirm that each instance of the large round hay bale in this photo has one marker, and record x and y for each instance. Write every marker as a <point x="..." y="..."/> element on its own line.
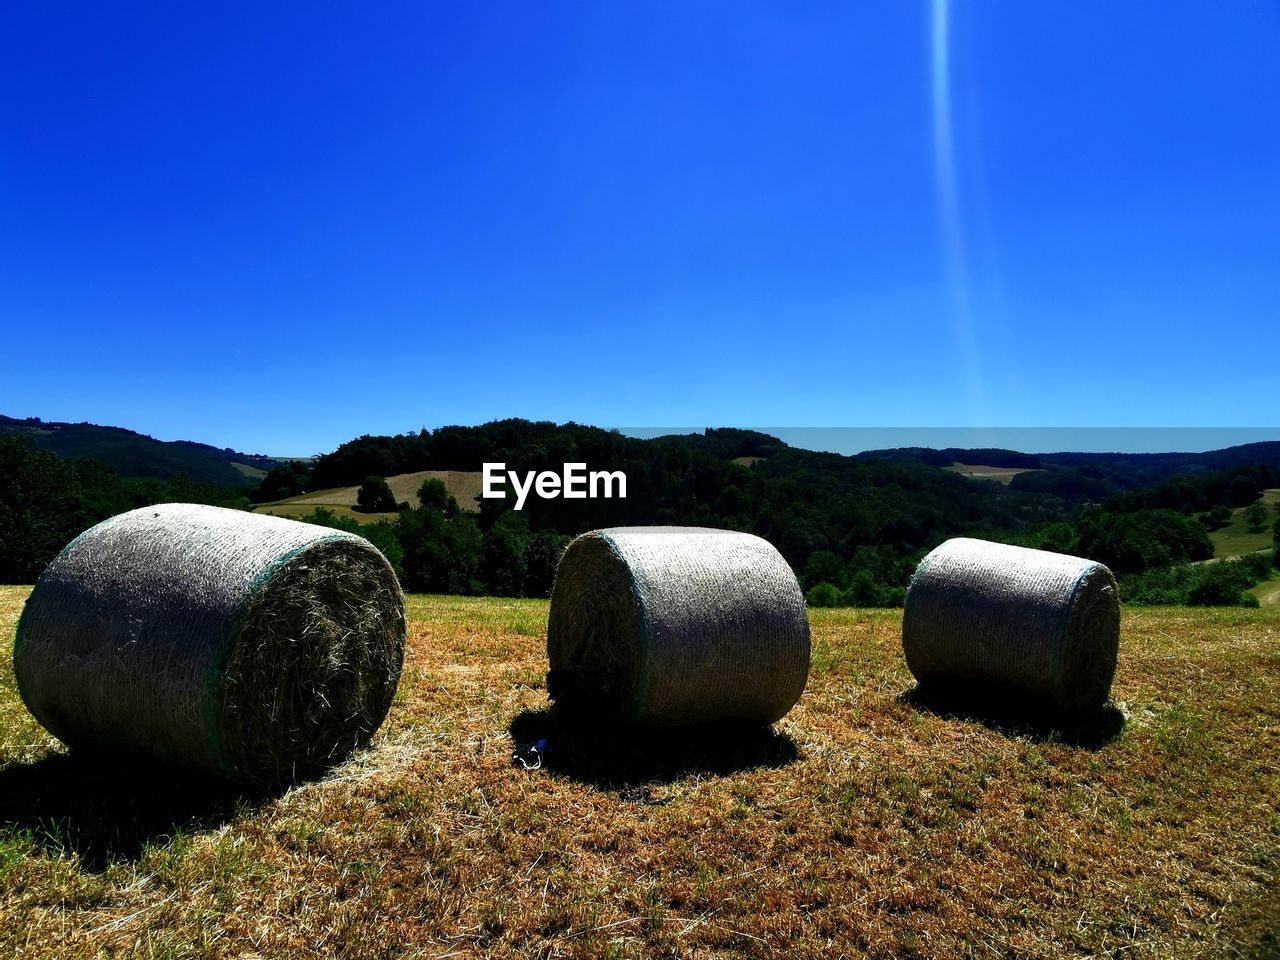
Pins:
<point x="256" y="647"/>
<point x="675" y="626"/>
<point x="1044" y="625"/>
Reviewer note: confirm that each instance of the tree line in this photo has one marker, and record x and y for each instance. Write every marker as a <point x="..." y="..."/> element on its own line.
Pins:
<point x="853" y="528"/>
<point x="45" y="501"/>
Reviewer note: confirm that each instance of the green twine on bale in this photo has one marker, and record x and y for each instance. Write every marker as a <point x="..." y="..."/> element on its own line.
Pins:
<point x="676" y="626"/>
<point x="982" y="617"/>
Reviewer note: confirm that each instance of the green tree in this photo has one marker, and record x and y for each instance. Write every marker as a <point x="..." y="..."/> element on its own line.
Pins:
<point x="434" y="495"/>
<point x="503" y="562"/>
<point x="1222" y="585"/>
<point x="46" y="501"/>
<point x="823" y="595"/>
<point x="375" y="496"/>
<point x="287" y="480"/>
<point x="464" y="544"/>
<point x="1140" y="540"/>
<point x="541" y="559"/>
<point x="441" y="554"/>
<point x="866" y="591"/>
<point x="1255" y="515"/>
<point x="823" y="566"/>
<point x="1217" y="518"/>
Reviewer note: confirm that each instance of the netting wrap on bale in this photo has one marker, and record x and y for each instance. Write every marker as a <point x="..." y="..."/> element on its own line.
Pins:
<point x="252" y="646"/>
<point x="675" y="626"/>
<point x="1043" y="625"/>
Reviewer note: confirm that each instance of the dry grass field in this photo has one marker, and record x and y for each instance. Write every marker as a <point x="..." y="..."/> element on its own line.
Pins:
<point x="866" y="824"/>
<point x="464" y="485"/>
<point x="283" y="508"/>
<point x="981" y="472"/>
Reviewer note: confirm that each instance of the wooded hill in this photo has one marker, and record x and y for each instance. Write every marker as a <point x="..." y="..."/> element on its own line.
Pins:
<point x="856" y="524"/>
<point x="132" y="454"/>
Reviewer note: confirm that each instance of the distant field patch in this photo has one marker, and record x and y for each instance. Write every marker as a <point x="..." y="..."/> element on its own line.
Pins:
<point x="463" y="485"/>
<point x="747" y="461"/>
<point x="249" y="471"/>
<point x="1236" y="539"/>
<point x="297" y="510"/>
<point x="1268" y="593"/>
<point x="980" y="471"/>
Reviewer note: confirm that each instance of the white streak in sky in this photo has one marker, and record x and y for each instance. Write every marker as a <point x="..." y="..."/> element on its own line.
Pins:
<point x="945" y="184"/>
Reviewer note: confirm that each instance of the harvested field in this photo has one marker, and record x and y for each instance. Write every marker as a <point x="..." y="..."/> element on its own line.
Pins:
<point x="979" y="471"/>
<point x="284" y="508"/>
<point x="868" y="825"/>
<point x="464" y="486"/>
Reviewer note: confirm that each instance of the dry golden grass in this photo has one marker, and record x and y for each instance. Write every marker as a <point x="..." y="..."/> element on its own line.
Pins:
<point x="284" y="508"/>
<point x="867" y="825"/>
<point x="463" y="485"/>
<point x="980" y="471"/>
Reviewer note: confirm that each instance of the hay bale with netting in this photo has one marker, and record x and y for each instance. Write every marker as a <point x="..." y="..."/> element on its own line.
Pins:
<point x="255" y="647"/>
<point x="676" y="626"/>
<point x="1044" y="626"/>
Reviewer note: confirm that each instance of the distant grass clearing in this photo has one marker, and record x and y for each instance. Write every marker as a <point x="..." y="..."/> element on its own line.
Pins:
<point x="285" y="508"/>
<point x="868" y="827"/>
<point x="1268" y="593"/>
<point x="257" y="473"/>
<point x="1236" y="539"/>
<point x="464" y="485"/>
<point x="981" y="472"/>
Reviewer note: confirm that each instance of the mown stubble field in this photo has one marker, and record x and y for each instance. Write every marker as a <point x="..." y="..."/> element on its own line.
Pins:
<point x="867" y="824"/>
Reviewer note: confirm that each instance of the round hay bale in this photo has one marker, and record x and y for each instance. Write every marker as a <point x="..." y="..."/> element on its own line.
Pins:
<point x="1042" y="624"/>
<point x="676" y="626"/>
<point x="256" y="647"/>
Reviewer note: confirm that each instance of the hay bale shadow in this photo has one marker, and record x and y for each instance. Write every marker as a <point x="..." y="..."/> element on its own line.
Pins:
<point x="1014" y="715"/>
<point x="626" y="762"/>
<point x="108" y="809"/>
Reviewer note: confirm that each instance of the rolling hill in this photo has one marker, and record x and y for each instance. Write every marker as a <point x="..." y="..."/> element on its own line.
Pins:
<point x="463" y="485"/>
<point x="134" y="454"/>
<point x="1124" y="470"/>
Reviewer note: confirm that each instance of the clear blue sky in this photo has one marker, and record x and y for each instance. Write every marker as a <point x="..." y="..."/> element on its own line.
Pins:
<point x="277" y="230"/>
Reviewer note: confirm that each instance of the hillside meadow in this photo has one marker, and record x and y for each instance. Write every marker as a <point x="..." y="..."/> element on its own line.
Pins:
<point x="463" y="485"/>
<point x="1237" y="537"/>
<point x="978" y="471"/>
<point x="867" y="823"/>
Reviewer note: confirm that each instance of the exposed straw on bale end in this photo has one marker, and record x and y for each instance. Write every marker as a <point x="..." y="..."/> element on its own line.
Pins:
<point x="256" y="647"/>
<point x="1044" y="625"/>
<point x="675" y="626"/>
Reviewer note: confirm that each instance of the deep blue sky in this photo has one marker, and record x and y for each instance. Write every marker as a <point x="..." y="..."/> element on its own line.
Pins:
<point x="278" y="230"/>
